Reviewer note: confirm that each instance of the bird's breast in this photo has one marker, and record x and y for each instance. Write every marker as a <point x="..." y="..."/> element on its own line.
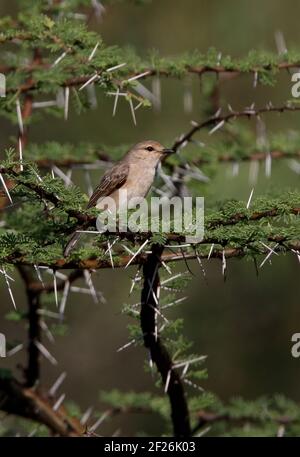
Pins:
<point x="140" y="179"/>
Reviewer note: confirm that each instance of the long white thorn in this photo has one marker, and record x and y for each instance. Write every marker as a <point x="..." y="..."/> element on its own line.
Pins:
<point x="126" y="345"/>
<point x="217" y="127"/>
<point x="168" y="381"/>
<point x="93" y="51"/>
<point x="98" y="422"/>
<point x="141" y="75"/>
<point x="132" y="111"/>
<point x="6" y="189"/>
<point x="59" y="402"/>
<point x="66" y="108"/>
<point x="210" y="251"/>
<point x="9" y="289"/>
<point x="116" y="67"/>
<point x="47" y="331"/>
<point x="195" y="360"/>
<point x="21" y="154"/>
<point x="14" y="350"/>
<point x="88" y="279"/>
<point x="109" y="246"/>
<point x="64" y="297"/>
<point x="45" y="353"/>
<point x="272" y="251"/>
<point x="55" y="287"/>
<point x="116" y="102"/>
<point x="59" y="59"/>
<point x="39" y="275"/>
<point x="175" y="302"/>
<point x="57" y="383"/>
<point x="223" y="262"/>
<point x="89" y="81"/>
<point x="137" y="252"/>
<point x="19" y="116"/>
<point x="250" y="198"/>
<point x="86" y="415"/>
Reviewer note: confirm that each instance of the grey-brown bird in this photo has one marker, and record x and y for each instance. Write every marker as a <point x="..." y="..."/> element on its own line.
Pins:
<point x="135" y="172"/>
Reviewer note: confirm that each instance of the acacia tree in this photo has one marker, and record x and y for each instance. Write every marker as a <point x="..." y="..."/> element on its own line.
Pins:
<point x="50" y="58"/>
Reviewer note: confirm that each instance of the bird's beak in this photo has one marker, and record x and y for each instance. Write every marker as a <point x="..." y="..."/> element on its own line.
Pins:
<point x="168" y="151"/>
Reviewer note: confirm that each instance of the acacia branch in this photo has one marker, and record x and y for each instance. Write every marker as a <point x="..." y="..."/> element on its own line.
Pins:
<point x="25" y="402"/>
<point x="32" y="372"/>
<point x="222" y="119"/>
<point x="208" y="418"/>
<point x="150" y="72"/>
<point x="158" y="352"/>
<point x="140" y="259"/>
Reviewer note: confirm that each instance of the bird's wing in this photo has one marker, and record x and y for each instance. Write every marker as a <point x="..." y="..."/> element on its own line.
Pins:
<point x="112" y="180"/>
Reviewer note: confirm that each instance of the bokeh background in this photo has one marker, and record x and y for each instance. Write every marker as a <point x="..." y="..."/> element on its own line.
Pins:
<point x="245" y="324"/>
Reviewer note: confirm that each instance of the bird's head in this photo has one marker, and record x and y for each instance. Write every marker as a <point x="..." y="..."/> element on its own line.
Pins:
<point x="150" y="150"/>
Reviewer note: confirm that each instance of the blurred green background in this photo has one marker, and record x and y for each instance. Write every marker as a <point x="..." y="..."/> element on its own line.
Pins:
<point x="245" y="324"/>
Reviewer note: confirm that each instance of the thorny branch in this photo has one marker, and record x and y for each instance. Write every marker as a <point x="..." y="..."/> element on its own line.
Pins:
<point x="140" y="259"/>
<point x="25" y="402"/>
<point x="32" y="372"/>
<point x="148" y="72"/>
<point x="158" y="352"/>
<point x="208" y="418"/>
<point x="219" y="120"/>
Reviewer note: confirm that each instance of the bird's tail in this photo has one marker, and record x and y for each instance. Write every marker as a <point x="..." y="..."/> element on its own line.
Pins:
<point x="71" y="243"/>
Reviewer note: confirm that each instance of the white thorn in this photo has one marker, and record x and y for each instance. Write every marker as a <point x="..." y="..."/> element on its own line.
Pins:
<point x="55" y="287"/>
<point x="125" y="346"/>
<point x="268" y="165"/>
<point x="168" y="381"/>
<point x="39" y="275"/>
<point x="62" y="56"/>
<point x="58" y="403"/>
<point x="6" y="189"/>
<point x="116" y="102"/>
<point x="19" y="116"/>
<point x="223" y="262"/>
<point x="132" y="111"/>
<point x="93" y="51"/>
<point x="86" y="415"/>
<point x="94" y="427"/>
<point x="45" y="353"/>
<point x="141" y="75"/>
<point x="255" y="79"/>
<point x="195" y="360"/>
<point x="57" y="383"/>
<point x="88" y="279"/>
<point x="9" y="288"/>
<point x="64" y="297"/>
<point x="268" y="255"/>
<point x="210" y="251"/>
<point x="217" y="127"/>
<point x="67" y="95"/>
<point x="89" y="81"/>
<point x="137" y="252"/>
<point x="14" y="350"/>
<point x="250" y="198"/>
<point x="110" y="253"/>
<point x="21" y="154"/>
<point x="116" y="67"/>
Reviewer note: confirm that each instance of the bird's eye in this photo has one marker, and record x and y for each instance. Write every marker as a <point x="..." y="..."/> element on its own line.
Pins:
<point x="150" y="148"/>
